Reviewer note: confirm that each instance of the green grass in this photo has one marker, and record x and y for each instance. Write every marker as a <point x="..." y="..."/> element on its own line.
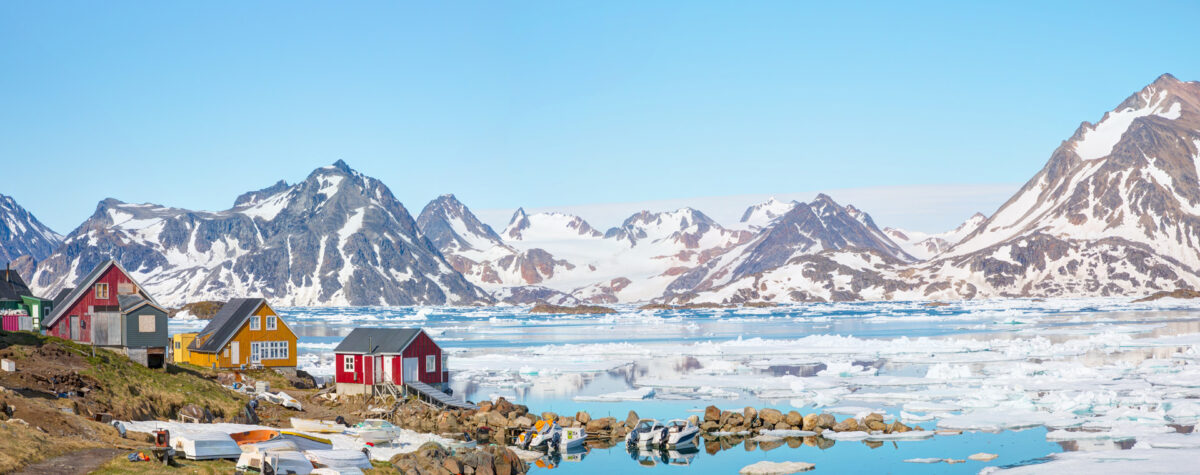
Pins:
<point x="122" y="465"/>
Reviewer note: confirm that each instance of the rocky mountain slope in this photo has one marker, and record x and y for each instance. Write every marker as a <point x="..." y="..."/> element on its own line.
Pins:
<point x="804" y="230"/>
<point x="1115" y="211"/>
<point x="337" y="238"/>
<point x="21" y="234"/>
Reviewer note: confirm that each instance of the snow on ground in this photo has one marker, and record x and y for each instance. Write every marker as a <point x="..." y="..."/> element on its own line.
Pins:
<point x="408" y="441"/>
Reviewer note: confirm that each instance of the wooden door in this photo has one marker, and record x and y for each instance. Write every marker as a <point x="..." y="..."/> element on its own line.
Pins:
<point x="234" y="358"/>
<point x="74" y="327"/>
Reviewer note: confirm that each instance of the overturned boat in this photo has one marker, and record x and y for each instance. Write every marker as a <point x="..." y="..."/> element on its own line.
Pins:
<point x="375" y="431"/>
<point x="336" y="426"/>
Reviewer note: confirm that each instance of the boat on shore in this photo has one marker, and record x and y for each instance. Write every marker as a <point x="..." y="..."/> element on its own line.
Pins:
<point x="206" y="445"/>
<point x="319" y="426"/>
<point x="375" y="431"/>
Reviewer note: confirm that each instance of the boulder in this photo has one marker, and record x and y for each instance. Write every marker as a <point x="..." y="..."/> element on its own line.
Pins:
<point x="810" y="422"/>
<point x="770" y="416"/>
<point x="198" y="413"/>
<point x="782" y="426"/>
<point x="550" y="416"/>
<point x="523" y="421"/>
<point x="453" y="465"/>
<point x="583" y="417"/>
<point x="711" y="413"/>
<point x="877" y="425"/>
<point x="749" y="414"/>
<point x="826" y="421"/>
<point x="873" y="417"/>
<point x="694" y="419"/>
<point x="850" y="424"/>
<point x="898" y="427"/>
<point x="794" y="418"/>
<point x="632" y="419"/>
<point x="503" y="407"/>
<point x="485" y="406"/>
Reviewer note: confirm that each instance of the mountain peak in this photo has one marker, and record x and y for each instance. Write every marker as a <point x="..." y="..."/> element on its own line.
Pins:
<point x="341" y="165"/>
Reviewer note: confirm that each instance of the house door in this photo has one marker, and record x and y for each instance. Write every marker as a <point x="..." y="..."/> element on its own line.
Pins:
<point x="74" y="327"/>
<point x="368" y="370"/>
<point x="410" y="369"/>
<point x="379" y="369"/>
<point x="234" y="357"/>
<point x="387" y="369"/>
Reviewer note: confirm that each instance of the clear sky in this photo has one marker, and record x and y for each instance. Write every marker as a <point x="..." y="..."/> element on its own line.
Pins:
<point x="561" y="103"/>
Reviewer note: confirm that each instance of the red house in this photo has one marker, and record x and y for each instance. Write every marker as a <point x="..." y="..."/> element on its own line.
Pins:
<point x="109" y="309"/>
<point x="371" y="357"/>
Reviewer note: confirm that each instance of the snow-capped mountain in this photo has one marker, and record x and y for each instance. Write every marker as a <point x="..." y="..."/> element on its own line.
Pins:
<point x="337" y="238"/>
<point x="925" y="246"/>
<point x="557" y="257"/>
<point x="807" y="229"/>
<point x="1115" y="211"/>
<point x="21" y="234"/>
<point x="760" y="215"/>
<point x="475" y="250"/>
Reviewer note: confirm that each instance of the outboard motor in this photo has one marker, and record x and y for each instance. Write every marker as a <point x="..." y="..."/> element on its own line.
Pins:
<point x="341" y="420"/>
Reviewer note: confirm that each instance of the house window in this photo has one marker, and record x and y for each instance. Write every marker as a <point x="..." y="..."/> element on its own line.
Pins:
<point x="254" y="322"/>
<point x="348" y="363"/>
<point x="271" y="325"/>
<point x="430" y="363"/>
<point x="146" y="323"/>
<point x="226" y="351"/>
<point x="177" y="345"/>
<point x="270" y="350"/>
<point x="102" y="291"/>
<point x="255" y="352"/>
<point x="444" y="359"/>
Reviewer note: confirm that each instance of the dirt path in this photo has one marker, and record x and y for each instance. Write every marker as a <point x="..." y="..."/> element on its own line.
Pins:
<point x="83" y="461"/>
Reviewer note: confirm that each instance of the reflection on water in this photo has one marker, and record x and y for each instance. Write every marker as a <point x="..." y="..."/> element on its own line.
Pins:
<point x="686" y="383"/>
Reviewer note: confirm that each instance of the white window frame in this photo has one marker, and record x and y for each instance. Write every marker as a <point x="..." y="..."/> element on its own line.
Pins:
<point x="272" y="322"/>
<point x="348" y="363"/>
<point x="254" y="323"/>
<point x="444" y="358"/>
<point x="255" y="352"/>
<point x="430" y="363"/>
<point x="101" y="285"/>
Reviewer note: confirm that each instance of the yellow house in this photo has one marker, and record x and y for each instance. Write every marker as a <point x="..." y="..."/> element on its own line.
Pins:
<point x="245" y="333"/>
<point x="179" y="347"/>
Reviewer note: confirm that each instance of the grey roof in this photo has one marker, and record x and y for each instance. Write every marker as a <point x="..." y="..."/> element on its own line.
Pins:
<point x="60" y="306"/>
<point x="225" y="324"/>
<point x="12" y="286"/>
<point x="377" y="340"/>
<point x="62" y="295"/>
<point x="129" y="303"/>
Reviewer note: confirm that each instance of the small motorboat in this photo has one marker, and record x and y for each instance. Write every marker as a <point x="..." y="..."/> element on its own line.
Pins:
<point x="375" y="431"/>
<point x="547" y="434"/>
<point x="318" y="426"/>
<point x="206" y="445"/>
<point x="647" y="433"/>
<point x="680" y="433"/>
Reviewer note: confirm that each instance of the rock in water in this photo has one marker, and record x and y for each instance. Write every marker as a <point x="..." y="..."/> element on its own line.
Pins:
<point x="776" y="468"/>
<point x="711" y="413"/>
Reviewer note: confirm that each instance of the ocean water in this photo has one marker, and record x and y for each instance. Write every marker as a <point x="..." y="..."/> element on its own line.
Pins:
<point x="1024" y="379"/>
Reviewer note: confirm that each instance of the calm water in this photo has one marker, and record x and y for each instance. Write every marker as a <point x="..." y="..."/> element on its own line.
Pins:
<point x="761" y="358"/>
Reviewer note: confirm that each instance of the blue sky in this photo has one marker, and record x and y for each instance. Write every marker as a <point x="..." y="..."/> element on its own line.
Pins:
<point x="545" y="104"/>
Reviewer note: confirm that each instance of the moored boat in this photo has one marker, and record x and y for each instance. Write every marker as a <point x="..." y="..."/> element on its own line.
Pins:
<point x="647" y="433"/>
<point x="680" y="433"/>
<point x="375" y="431"/>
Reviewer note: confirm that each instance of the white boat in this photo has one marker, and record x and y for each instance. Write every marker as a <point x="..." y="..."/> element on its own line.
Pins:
<point x="647" y="433"/>
<point x="277" y="461"/>
<point x="342" y="461"/>
<point x="205" y="445"/>
<point x="546" y="434"/>
<point x="318" y="426"/>
<point x="375" y="431"/>
<point x="680" y="433"/>
<point x="281" y="398"/>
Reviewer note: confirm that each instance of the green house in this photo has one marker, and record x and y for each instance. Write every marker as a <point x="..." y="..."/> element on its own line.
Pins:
<point x="15" y="295"/>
